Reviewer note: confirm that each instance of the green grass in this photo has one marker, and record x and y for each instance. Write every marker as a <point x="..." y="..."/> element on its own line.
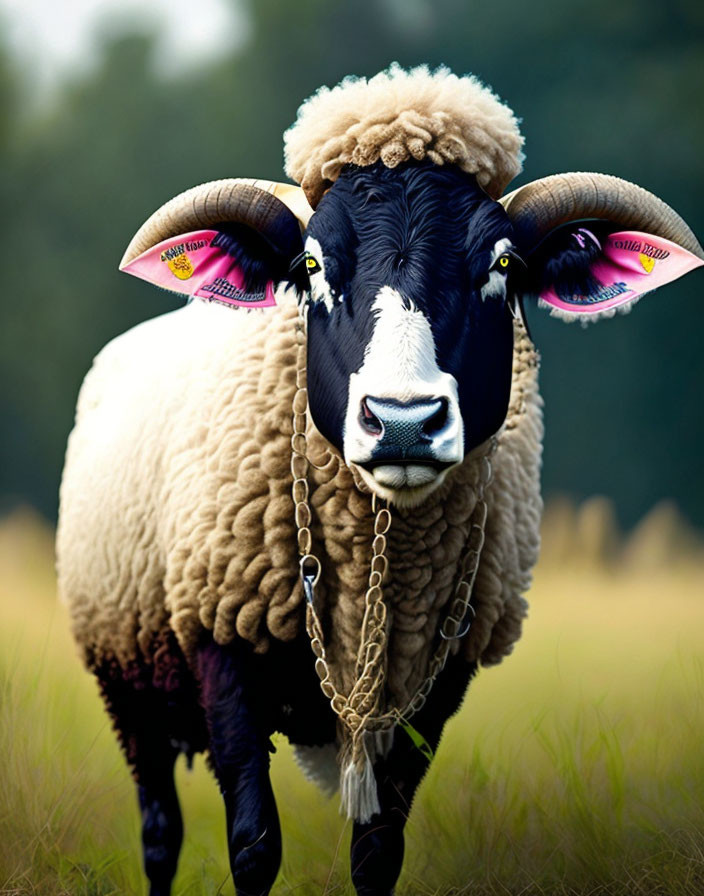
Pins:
<point x="575" y="767"/>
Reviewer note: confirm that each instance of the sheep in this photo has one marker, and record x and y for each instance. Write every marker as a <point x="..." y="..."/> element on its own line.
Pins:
<point x="339" y="447"/>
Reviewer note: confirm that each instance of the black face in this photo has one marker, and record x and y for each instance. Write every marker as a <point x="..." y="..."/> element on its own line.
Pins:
<point x="410" y="331"/>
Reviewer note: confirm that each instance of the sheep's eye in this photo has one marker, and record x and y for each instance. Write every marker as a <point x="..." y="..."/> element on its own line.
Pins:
<point x="312" y="265"/>
<point x="504" y="261"/>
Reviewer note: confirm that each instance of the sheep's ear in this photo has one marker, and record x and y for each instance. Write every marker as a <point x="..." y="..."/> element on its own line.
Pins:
<point x="228" y="241"/>
<point x="586" y="273"/>
<point x="202" y="264"/>
<point x="595" y="243"/>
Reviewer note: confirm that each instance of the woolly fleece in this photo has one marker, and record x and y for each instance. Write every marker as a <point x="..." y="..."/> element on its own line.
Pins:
<point x="399" y="115"/>
<point x="176" y="508"/>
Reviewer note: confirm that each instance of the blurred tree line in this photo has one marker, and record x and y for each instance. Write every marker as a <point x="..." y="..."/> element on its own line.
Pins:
<point x="603" y="85"/>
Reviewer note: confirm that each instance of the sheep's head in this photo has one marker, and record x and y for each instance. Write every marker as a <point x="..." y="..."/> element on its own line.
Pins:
<point x="410" y="321"/>
<point x="411" y="268"/>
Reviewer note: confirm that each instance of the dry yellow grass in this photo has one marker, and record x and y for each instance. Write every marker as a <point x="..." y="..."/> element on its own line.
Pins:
<point x="575" y="767"/>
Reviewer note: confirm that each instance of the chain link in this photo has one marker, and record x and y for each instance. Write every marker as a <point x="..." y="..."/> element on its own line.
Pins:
<point x="359" y="710"/>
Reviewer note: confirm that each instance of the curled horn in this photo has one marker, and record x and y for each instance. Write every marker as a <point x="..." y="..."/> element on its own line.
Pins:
<point x="277" y="211"/>
<point x="538" y="207"/>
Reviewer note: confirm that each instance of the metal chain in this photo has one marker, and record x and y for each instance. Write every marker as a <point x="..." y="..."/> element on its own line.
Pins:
<point x="359" y="710"/>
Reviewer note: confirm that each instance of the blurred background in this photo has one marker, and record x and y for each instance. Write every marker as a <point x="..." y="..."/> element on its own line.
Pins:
<point x="109" y="109"/>
<point x="575" y="767"/>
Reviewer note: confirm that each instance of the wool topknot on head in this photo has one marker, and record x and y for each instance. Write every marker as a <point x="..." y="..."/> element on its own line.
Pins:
<point x="400" y="115"/>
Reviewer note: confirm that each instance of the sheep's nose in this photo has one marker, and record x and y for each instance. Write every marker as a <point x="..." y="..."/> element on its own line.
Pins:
<point x="404" y="429"/>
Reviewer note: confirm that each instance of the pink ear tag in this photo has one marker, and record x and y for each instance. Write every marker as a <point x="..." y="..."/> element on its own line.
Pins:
<point x="631" y="264"/>
<point x="198" y="264"/>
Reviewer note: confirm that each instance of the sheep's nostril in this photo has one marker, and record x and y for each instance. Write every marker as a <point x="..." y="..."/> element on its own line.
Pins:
<point x="404" y="429"/>
<point x="438" y="420"/>
<point x="369" y="421"/>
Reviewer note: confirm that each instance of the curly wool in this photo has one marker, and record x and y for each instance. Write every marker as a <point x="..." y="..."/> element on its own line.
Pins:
<point x="399" y="115"/>
<point x="177" y="511"/>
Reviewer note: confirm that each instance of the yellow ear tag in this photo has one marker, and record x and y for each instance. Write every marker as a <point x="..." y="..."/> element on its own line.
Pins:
<point x="181" y="266"/>
<point x="647" y="262"/>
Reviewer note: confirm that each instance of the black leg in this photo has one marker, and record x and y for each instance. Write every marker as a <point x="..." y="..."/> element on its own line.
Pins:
<point x="378" y="846"/>
<point x="141" y="720"/>
<point x="156" y="714"/>
<point x="239" y="749"/>
<point x="162" y="827"/>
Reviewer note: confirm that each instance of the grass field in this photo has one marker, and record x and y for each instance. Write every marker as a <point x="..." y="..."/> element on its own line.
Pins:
<point x="576" y="767"/>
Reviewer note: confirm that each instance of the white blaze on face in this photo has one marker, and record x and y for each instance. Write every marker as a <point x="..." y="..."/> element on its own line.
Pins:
<point x="400" y="364"/>
<point x="495" y="287"/>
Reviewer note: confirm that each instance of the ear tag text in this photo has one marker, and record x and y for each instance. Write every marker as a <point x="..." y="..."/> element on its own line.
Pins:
<point x="631" y="264"/>
<point x="197" y="265"/>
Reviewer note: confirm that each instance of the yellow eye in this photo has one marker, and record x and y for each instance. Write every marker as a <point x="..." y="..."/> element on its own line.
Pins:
<point x="312" y="265"/>
<point x="504" y="261"/>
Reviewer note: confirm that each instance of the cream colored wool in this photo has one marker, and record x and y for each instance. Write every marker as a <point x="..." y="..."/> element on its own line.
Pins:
<point x="399" y="115"/>
<point x="176" y="507"/>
